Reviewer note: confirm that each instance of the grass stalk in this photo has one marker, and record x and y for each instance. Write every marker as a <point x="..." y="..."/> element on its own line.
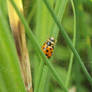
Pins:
<point x="40" y="71"/>
<point x="74" y="42"/>
<point x="20" y="42"/>
<point x="44" y="77"/>
<point x="89" y="49"/>
<point x="59" y="11"/>
<point x="31" y="13"/>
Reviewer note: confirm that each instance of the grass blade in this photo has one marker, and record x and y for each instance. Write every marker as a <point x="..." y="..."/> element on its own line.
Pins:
<point x="74" y="41"/>
<point x="9" y="66"/>
<point x="20" y="41"/>
<point x="59" y="11"/>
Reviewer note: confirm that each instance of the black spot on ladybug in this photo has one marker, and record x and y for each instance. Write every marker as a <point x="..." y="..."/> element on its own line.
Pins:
<point x="50" y="48"/>
<point x="53" y="47"/>
<point x="46" y="50"/>
<point x="49" y="43"/>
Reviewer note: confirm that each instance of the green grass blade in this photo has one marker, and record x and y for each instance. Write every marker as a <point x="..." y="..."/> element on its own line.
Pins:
<point x="2" y="85"/>
<point x="44" y="79"/>
<point x="59" y="10"/>
<point x="34" y="42"/>
<point x="9" y="66"/>
<point x="31" y="13"/>
<point x="74" y="41"/>
<point x="68" y="41"/>
<point x="43" y="21"/>
<point x="39" y="76"/>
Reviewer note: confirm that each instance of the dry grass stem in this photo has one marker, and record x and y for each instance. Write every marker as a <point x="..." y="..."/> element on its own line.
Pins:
<point x="20" y="41"/>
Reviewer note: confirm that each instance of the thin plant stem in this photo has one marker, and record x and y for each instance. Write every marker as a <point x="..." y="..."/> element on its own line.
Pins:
<point x="39" y="77"/>
<point x="74" y="42"/>
<point x="44" y="78"/>
<point x="31" y="13"/>
<point x="20" y="42"/>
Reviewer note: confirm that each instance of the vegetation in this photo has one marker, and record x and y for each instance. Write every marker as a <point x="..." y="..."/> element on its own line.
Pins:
<point x="70" y="67"/>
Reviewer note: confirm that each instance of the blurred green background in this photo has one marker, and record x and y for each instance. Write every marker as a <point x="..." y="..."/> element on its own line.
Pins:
<point x="42" y="25"/>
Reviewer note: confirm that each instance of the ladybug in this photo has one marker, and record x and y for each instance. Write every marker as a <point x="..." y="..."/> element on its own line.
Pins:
<point x="48" y="47"/>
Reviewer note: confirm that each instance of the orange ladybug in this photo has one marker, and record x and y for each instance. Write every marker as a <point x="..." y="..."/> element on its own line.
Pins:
<point x="48" y="47"/>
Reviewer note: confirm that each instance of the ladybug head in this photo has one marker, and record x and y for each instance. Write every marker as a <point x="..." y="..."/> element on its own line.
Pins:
<point x="52" y="39"/>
